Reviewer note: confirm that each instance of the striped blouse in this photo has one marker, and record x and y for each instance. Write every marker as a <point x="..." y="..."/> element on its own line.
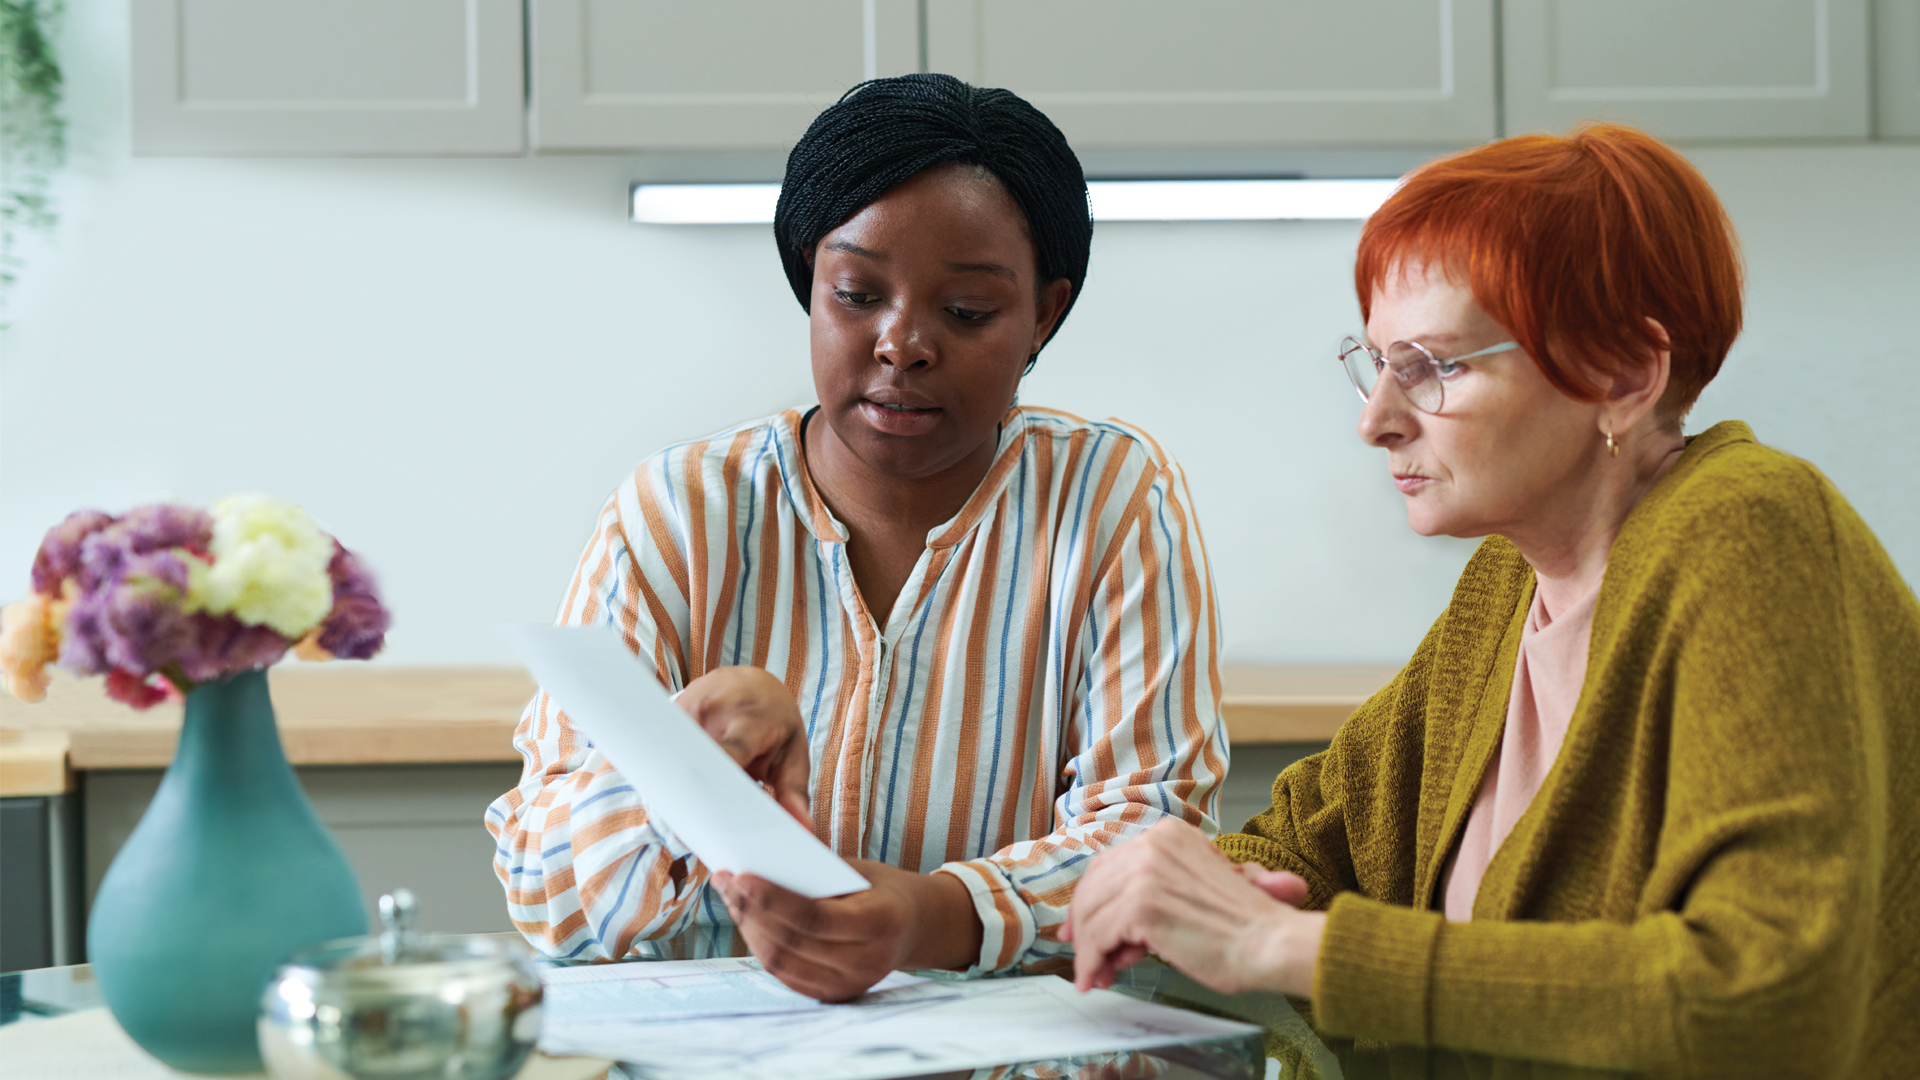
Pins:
<point x="1046" y="684"/>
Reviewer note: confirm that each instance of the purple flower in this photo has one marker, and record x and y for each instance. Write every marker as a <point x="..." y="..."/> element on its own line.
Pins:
<point x="133" y="623"/>
<point x="83" y="647"/>
<point x="59" y="554"/>
<point x="101" y="556"/>
<point x="221" y="645"/>
<point x="141" y="531"/>
<point x="356" y="628"/>
<point x="159" y="526"/>
<point x="145" y="627"/>
<point x="163" y="568"/>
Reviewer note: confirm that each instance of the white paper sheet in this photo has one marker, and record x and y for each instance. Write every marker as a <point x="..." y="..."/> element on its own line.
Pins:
<point x="915" y="1029"/>
<point x="598" y="994"/>
<point x="686" y="779"/>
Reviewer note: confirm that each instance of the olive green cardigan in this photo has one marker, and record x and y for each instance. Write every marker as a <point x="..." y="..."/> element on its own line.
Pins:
<point x="1721" y="873"/>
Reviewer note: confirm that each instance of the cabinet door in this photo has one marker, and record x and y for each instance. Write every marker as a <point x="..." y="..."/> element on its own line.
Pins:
<point x="1689" y="69"/>
<point x="246" y="77"/>
<point x="1896" y="33"/>
<point x="1232" y="73"/>
<point x="416" y="826"/>
<point x="713" y="75"/>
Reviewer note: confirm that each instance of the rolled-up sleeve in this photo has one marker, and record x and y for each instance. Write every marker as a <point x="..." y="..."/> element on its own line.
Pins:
<point x="586" y="873"/>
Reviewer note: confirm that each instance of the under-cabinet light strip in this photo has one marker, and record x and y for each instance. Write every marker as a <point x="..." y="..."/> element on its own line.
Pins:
<point x="1113" y="200"/>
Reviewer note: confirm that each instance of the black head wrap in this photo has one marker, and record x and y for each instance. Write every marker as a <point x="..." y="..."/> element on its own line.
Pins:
<point x="884" y="132"/>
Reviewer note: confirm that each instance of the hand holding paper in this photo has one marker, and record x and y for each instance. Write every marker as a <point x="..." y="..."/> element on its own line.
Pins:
<point x="687" y="780"/>
<point x="753" y="717"/>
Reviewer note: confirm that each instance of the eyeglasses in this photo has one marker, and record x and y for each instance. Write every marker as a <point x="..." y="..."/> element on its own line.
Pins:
<point x="1420" y="374"/>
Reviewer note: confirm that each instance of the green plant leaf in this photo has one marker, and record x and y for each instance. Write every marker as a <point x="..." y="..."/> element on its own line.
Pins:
<point x="33" y="134"/>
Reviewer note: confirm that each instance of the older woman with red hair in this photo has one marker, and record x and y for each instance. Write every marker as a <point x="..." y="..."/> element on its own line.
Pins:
<point x="1647" y="797"/>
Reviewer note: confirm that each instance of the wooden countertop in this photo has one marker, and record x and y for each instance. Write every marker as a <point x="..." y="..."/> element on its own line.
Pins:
<point x="358" y="714"/>
<point x="1293" y="703"/>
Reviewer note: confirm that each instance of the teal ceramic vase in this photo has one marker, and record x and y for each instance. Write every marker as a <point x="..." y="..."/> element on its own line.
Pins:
<point x="227" y="874"/>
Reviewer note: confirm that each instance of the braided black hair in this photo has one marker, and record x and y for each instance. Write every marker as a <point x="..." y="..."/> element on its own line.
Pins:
<point x="883" y="132"/>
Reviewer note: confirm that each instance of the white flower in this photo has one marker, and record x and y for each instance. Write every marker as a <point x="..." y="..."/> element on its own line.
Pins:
<point x="269" y="566"/>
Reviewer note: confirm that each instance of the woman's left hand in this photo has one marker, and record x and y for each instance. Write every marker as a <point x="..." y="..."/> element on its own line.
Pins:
<point x="1169" y="891"/>
<point x="834" y="949"/>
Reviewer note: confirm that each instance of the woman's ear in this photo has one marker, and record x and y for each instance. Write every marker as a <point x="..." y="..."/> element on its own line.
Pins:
<point x="1636" y="392"/>
<point x="1046" y="315"/>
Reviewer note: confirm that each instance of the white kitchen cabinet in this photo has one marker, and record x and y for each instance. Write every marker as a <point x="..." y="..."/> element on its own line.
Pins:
<point x="1896" y="33"/>
<point x="1195" y="82"/>
<point x="259" y="77"/>
<point x="1689" y="69"/>
<point x="715" y="75"/>
<point x="1232" y="73"/>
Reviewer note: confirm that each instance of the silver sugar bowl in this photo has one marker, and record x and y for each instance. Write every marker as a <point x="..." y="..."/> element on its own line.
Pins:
<point x="402" y="1006"/>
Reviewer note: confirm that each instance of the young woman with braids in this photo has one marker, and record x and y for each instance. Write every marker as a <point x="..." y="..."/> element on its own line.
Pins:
<point x="967" y="642"/>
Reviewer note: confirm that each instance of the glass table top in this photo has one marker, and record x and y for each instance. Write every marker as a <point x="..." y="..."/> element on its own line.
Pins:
<point x="1287" y="1047"/>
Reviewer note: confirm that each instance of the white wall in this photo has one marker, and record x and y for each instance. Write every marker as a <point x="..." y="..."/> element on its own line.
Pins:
<point x="451" y="362"/>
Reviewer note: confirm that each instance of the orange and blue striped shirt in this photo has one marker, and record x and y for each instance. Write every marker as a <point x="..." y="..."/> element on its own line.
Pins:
<point x="1046" y="685"/>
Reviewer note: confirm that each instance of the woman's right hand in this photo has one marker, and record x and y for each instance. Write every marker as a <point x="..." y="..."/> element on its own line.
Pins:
<point x="1169" y="891"/>
<point x="752" y="716"/>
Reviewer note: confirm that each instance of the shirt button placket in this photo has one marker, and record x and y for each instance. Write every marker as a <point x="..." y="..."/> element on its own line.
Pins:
<point x="876" y="721"/>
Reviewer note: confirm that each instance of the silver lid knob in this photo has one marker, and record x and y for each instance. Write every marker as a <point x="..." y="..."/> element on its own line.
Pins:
<point x="397" y="911"/>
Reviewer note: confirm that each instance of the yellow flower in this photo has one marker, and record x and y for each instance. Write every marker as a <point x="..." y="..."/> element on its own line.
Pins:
<point x="269" y="566"/>
<point x="29" y="641"/>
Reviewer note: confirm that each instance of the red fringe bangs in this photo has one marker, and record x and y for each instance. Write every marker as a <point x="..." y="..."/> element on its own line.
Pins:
<point x="1572" y="244"/>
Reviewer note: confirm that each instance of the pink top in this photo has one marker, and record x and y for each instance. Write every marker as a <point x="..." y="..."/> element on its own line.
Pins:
<point x="1547" y="678"/>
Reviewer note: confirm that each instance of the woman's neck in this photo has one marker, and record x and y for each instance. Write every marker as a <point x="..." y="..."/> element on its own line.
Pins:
<point x="1569" y="544"/>
<point x="887" y="517"/>
<point x="857" y="493"/>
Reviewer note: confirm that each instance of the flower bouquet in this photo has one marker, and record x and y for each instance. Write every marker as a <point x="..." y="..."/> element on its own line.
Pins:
<point x="229" y="871"/>
<point x="166" y="597"/>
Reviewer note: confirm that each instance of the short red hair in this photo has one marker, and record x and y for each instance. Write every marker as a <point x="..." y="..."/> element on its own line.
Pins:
<point x="1571" y="244"/>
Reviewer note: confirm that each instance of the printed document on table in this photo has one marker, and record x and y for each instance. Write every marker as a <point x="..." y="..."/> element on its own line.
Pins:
<point x="910" y="1029"/>
<point x="686" y="779"/>
<point x="596" y="994"/>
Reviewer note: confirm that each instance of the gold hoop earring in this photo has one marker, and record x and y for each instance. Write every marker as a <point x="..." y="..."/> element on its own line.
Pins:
<point x="1613" y="448"/>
